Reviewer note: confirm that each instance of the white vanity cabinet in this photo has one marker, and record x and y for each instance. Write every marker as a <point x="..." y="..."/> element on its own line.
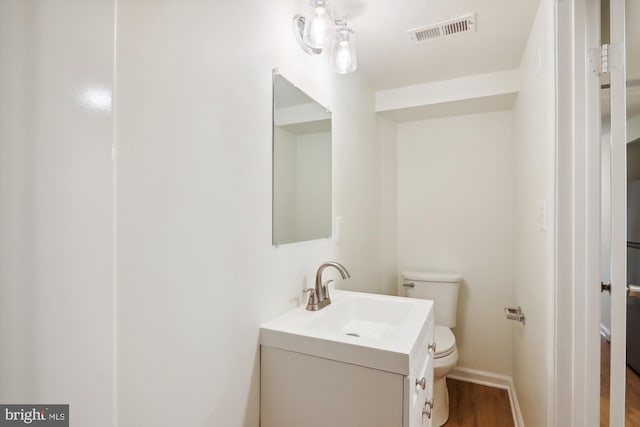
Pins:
<point x="365" y="380"/>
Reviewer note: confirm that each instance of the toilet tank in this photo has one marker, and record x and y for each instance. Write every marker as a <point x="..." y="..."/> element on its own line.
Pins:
<point x="441" y="288"/>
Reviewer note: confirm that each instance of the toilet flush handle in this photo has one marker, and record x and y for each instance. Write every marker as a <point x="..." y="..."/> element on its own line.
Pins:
<point x="409" y="285"/>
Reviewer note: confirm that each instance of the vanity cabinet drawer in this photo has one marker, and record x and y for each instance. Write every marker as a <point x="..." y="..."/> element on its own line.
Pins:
<point x="420" y="385"/>
<point x="422" y="399"/>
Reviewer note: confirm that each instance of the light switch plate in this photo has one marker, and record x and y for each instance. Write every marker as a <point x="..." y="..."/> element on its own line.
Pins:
<point x="542" y="215"/>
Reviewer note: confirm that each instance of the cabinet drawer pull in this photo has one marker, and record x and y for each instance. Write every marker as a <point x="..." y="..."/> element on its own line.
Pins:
<point x="428" y="406"/>
<point x="421" y="383"/>
<point x="427" y="412"/>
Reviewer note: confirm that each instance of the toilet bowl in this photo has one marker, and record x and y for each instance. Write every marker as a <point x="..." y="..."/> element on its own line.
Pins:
<point x="442" y="289"/>
<point x="444" y="360"/>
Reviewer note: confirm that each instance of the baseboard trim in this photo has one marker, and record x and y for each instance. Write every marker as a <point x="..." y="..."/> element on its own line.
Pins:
<point x="605" y="332"/>
<point x="491" y="380"/>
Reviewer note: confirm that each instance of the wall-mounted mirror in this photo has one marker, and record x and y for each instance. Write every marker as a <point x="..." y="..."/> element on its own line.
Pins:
<point x="301" y="165"/>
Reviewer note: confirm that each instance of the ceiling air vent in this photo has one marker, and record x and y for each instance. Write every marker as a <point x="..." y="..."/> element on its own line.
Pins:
<point x="463" y="24"/>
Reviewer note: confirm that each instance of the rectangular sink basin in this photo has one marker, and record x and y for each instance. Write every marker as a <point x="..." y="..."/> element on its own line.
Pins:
<point x="363" y="316"/>
<point x="377" y="331"/>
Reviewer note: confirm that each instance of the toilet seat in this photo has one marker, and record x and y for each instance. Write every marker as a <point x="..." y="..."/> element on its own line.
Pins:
<point x="445" y="341"/>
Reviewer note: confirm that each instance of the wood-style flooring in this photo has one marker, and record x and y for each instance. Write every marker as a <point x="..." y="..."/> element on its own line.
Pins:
<point x="632" y="400"/>
<point x="473" y="405"/>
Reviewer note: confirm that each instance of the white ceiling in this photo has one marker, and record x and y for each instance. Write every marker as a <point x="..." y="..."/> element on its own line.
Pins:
<point x="388" y="58"/>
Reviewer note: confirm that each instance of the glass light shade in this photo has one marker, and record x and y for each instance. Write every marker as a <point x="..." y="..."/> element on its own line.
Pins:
<point x="318" y="24"/>
<point x="343" y="53"/>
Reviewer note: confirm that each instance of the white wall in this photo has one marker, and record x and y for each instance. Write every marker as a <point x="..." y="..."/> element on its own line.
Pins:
<point x="197" y="273"/>
<point x="455" y="214"/>
<point x="534" y="181"/>
<point x="388" y="132"/>
<point x="56" y="251"/>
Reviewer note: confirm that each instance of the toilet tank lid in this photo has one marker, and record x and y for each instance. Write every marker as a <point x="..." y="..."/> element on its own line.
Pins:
<point x="426" y="276"/>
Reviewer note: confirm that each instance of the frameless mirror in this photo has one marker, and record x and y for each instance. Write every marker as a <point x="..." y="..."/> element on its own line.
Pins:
<point x="301" y="165"/>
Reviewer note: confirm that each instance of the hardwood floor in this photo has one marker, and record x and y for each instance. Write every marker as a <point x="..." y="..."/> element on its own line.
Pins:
<point x="632" y="400"/>
<point x="473" y="405"/>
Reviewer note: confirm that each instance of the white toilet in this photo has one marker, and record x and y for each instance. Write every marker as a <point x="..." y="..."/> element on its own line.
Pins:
<point x="442" y="288"/>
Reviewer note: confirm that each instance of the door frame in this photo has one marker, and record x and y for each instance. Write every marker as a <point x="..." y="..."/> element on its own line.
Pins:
<point x="618" y="217"/>
<point x="576" y="341"/>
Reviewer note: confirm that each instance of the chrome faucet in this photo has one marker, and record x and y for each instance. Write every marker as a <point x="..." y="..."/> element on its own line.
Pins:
<point x="319" y="296"/>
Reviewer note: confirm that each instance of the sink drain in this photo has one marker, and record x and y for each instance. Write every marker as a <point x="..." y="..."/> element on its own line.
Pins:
<point x="353" y="334"/>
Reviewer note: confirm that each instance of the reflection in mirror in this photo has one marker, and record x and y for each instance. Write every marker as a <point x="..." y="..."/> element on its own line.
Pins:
<point x="301" y="165"/>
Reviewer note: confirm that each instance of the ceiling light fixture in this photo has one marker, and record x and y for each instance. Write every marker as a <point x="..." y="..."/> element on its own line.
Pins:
<point x="343" y="53"/>
<point x="315" y="32"/>
<point x="317" y="25"/>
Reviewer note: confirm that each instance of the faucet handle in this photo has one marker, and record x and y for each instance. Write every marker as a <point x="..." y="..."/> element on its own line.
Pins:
<point x="325" y="288"/>
<point x="313" y="298"/>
